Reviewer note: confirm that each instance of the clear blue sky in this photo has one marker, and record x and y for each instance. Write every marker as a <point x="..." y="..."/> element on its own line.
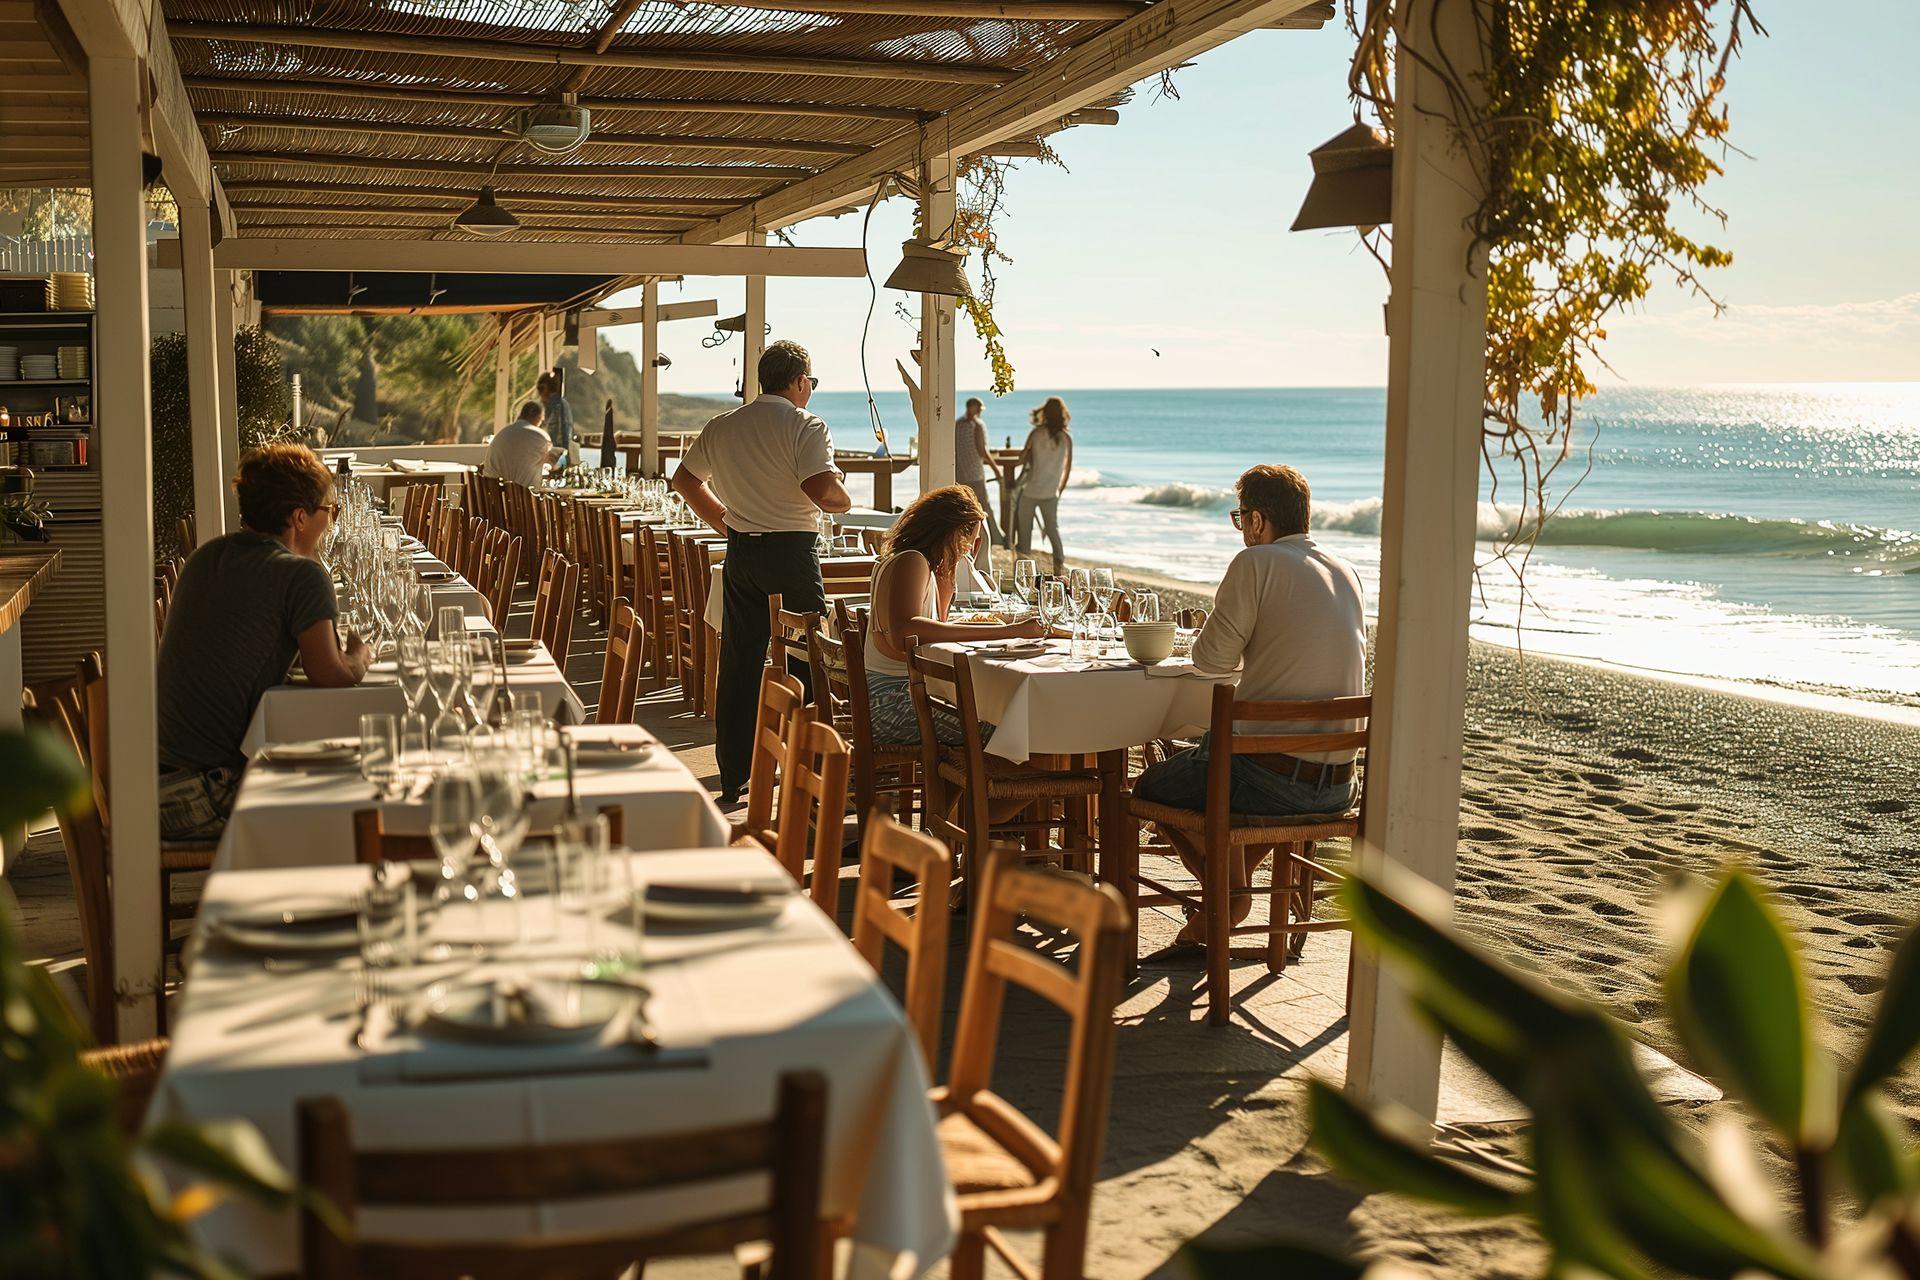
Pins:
<point x="1169" y="232"/>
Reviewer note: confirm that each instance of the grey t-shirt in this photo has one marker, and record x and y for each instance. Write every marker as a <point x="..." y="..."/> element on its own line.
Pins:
<point x="232" y="631"/>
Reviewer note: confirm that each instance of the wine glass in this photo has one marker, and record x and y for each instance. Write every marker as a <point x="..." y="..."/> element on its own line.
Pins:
<point x="410" y="657"/>
<point x="1053" y="603"/>
<point x="419" y="607"/>
<point x="445" y="680"/>
<point x="482" y="680"/>
<point x="1146" y="607"/>
<point x="1079" y="590"/>
<point x="379" y="752"/>
<point x="1026" y="577"/>
<point x="1104" y="589"/>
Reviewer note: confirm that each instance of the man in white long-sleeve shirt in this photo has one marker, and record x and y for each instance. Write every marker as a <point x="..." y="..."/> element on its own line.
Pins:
<point x="1290" y="616"/>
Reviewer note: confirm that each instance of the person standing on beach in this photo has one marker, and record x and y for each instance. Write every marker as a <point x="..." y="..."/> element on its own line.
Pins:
<point x="559" y="415"/>
<point x="972" y="463"/>
<point x="760" y="475"/>
<point x="1045" y="464"/>
<point x="1291" y="617"/>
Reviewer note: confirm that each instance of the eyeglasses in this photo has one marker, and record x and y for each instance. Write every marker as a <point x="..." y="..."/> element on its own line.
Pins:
<point x="331" y="508"/>
<point x="1239" y="516"/>
<point x="813" y="383"/>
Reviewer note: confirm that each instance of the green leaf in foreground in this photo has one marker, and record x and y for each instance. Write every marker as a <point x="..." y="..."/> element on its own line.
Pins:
<point x="1740" y="1004"/>
<point x="1358" y="1146"/>
<point x="1871" y="1152"/>
<point x="41" y="773"/>
<point x="1276" y="1261"/>
<point x="1896" y="1024"/>
<point x="231" y="1152"/>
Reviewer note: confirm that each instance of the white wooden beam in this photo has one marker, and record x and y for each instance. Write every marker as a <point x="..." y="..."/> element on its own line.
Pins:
<point x="650" y="378"/>
<point x="132" y="29"/>
<point x="609" y="317"/>
<point x="755" y="330"/>
<point x="210" y="466"/>
<point x="937" y="378"/>
<point x="502" y="373"/>
<point x="1436" y="380"/>
<point x="224" y="333"/>
<point x="597" y="258"/>
<point x="124" y="409"/>
<point x="1162" y="36"/>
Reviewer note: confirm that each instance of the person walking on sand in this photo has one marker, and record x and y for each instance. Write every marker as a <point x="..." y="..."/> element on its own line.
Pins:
<point x="1045" y="464"/>
<point x="760" y="475"/>
<point x="972" y="463"/>
<point x="1291" y="617"/>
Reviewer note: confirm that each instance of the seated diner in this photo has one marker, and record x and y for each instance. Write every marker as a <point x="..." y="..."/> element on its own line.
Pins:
<point x="247" y="604"/>
<point x="913" y="587"/>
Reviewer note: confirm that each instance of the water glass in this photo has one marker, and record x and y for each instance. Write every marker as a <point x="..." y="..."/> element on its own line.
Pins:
<point x="454" y="825"/>
<point x="416" y="743"/>
<point x="381" y="915"/>
<point x="1146" y="607"/>
<point x="452" y="622"/>
<point x="379" y="752"/>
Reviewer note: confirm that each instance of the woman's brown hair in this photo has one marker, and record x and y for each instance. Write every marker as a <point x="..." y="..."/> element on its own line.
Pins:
<point x="935" y="523"/>
<point x="276" y="480"/>
<point x="1053" y="416"/>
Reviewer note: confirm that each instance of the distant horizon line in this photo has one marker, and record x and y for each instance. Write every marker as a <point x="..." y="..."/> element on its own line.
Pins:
<point x="988" y="396"/>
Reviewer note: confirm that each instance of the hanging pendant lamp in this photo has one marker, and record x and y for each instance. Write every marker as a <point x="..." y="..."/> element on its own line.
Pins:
<point x="1352" y="181"/>
<point x="931" y="266"/>
<point x="485" y="218"/>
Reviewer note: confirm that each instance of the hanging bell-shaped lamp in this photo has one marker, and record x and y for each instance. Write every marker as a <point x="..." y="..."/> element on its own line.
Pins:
<point x="931" y="266"/>
<point x="485" y="218"/>
<point x="1352" y="181"/>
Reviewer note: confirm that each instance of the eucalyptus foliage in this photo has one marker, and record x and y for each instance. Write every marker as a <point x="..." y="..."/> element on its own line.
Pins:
<point x="1618" y="1188"/>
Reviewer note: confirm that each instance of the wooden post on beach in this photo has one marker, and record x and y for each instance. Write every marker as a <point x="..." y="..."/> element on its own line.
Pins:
<point x="124" y="409"/>
<point x="198" y="285"/>
<point x="650" y="377"/>
<point x="755" y="333"/>
<point x="1435" y="387"/>
<point x="937" y="201"/>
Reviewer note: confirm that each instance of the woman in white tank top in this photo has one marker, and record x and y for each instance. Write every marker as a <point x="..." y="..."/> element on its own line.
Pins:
<point x="1044" y="468"/>
<point x="912" y="592"/>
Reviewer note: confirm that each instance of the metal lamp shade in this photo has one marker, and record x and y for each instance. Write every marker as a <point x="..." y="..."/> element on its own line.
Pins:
<point x="485" y="218"/>
<point x="927" y="267"/>
<point x="1352" y="181"/>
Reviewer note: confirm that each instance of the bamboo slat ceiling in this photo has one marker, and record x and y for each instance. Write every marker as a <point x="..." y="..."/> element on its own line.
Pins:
<point x="383" y="118"/>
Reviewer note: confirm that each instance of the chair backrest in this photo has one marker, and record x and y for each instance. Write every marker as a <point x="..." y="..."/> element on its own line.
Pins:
<point x="654" y="565"/>
<point x="848" y="576"/>
<point x="499" y="570"/>
<point x="788" y="1146"/>
<point x="84" y="834"/>
<point x="620" y="674"/>
<point x="782" y="706"/>
<point x="1229" y="711"/>
<point x="840" y="691"/>
<point x="916" y="924"/>
<point x="472" y="551"/>
<point x="1096" y="917"/>
<point x="90" y="731"/>
<point x="787" y="634"/>
<point x="556" y="599"/>
<point x="813" y="810"/>
<point x="372" y="842"/>
<point x="942" y="681"/>
<point x="1192" y="619"/>
<point x="186" y="539"/>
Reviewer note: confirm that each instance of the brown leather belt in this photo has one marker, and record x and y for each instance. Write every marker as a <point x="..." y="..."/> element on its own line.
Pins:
<point x="1314" y="773"/>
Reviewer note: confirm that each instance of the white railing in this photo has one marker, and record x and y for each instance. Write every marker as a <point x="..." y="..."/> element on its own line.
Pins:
<point x="20" y="256"/>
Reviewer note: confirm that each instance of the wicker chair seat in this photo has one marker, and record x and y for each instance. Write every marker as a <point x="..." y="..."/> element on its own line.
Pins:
<point x="975" y="1162"/>
<point x="1009" y="781"/>
<point x="1254" y="828"/>
<point x="186" y="855"/>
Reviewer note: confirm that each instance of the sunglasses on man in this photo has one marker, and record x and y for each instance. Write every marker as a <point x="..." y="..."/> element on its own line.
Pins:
<point x="1239" y="516"/>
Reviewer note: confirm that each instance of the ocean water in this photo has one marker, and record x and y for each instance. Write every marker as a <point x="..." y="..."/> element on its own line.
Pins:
<point x="1762" y="533"/>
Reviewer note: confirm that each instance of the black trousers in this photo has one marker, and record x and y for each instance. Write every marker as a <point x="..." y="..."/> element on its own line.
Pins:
<point x="759" y="566"/>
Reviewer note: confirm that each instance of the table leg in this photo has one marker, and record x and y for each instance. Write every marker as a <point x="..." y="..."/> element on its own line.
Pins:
<point x="883" y="488"/>
<point x="1120" y="849"/>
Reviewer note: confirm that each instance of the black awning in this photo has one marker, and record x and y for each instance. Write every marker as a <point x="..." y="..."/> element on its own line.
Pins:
<point x="418" y="292"/>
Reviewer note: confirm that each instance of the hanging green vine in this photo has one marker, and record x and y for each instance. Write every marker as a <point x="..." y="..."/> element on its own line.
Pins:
<point x="1596" y="126"/>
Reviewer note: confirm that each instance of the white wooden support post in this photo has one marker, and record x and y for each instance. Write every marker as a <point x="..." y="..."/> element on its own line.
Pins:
<point x="756" y="328"/>
<point x="224" y="334"/>
<point x="649" y="378"/>
<point x="1436" y="378"/>
<point x="126" y="501"/>
<point x="203" y="368"/>
<point x="502" y="374"/>
<point x="937" y="201"/>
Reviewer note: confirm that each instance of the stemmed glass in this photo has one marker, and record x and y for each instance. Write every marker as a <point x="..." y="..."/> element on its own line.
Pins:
<point x="481" y="684"/>
<point x="1053" y="602"/>
<point x="1104" y="589"/>
<point x="1146" y="606"/>
<point x="446" y="680"/>
<point x="379" y="753"/>
<point x="419" y="607"/>
<point x="410" y="657"/>
<point x="1026" y="577"/>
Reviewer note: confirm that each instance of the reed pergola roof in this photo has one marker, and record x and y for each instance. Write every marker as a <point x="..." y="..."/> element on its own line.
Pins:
<point x="336" y="118"/>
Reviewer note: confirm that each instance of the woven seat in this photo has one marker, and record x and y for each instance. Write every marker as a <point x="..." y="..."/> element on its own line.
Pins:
<point x="1254" y="828"/>
<point x="135" y="1071"/>
<point x="975" y="1162"/>
<point x="186" y="855"/>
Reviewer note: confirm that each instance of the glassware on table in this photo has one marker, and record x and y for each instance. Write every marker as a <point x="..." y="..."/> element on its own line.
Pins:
<point x="450" y="622"/>
<point x="483" y="680"/>
<point x="1146" y="607"/>
<point x="446" y="680"/>
<point x="419" y="607"/>
<point x="416" y="743"/>
<point x="379" y="752"/>
<point x="1105" y="590"/>
<point x="1026" y="578"/>
<point x="387" y="940"/>
<point x="410" y="659"/>
<point x="991" y="581"/>
<point x="1079" y="590"/>
<point x="1053" y="603"/>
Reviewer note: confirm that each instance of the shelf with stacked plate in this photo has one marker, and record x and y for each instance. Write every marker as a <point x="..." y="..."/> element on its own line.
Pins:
<point x="47" y="392"/>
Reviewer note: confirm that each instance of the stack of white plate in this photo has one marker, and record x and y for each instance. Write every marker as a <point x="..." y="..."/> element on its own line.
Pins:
<point x="73" y="363"/>
<point x="38" y="368"/>
<point x="9" y="364"/>
<point x="70" y="291"/>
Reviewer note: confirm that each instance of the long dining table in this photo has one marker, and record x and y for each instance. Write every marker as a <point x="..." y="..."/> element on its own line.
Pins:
<point x="727" y="1011"/>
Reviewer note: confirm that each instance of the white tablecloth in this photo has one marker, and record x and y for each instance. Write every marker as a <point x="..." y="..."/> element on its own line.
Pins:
<point x="1044" y="705"/>
<point x="296" y="713"/>
<point x="287" y="817"/>
<point x="793" y="995"/>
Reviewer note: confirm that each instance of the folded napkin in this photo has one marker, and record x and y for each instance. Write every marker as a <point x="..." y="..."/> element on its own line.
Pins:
<point x="1184" y="667"/>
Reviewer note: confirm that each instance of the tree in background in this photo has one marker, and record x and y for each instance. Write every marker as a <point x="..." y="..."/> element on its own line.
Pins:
<point x="265" y="409"/>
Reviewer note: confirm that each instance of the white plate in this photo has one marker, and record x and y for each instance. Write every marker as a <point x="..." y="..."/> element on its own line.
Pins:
<point x="612" y="752"/>
<point x="339" y="751"/>
<point x="747" y="911"/>
<point x="568" y="1011"/>
<point x="299" y="925"/>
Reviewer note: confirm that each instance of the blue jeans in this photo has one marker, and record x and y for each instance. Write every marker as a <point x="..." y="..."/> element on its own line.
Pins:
<point x="1180" y="782"/>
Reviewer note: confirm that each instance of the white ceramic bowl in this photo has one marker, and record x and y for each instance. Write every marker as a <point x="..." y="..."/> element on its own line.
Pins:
<point x="1148" y="641"/>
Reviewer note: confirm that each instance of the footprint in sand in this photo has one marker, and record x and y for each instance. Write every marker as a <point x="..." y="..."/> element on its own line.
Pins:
<point x="1869" y="918"/>
<point x="1490" y="835"/>
<point x="1864" y="984"/>
<point x="1639" y="755"/>
<point x="1886" y="806"/>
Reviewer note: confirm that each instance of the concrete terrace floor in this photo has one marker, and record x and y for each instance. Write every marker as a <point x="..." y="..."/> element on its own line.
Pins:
<point x="1208" y="1132"/>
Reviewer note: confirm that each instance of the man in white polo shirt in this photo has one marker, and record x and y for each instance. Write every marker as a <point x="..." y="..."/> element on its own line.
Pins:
<point x="760" y="475"/>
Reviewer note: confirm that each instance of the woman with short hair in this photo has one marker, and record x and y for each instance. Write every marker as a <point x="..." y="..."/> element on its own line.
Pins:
<point x="912" y="592"/>
<point x="246" y="604"/>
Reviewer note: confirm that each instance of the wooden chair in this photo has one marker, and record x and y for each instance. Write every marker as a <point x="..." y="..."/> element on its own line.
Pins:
<point x="782" y="707"/>
<point x="787" y="1148"/>
<point x="847" y="577"/>
<point x="1007" y="1172"/>
<point x="1191" y="619"/>
<point x="699" y="656"/>
<point x="916" y="924"/>
<point x="472" y="552"/>
<point x="135" y="1072"/>
<point x="840" y="694"/>
<point x="1213" y="835"/>
<point x="556" y="601"/>
<point x="620" y="674"/>
<point x="813" y="810"/>
<point x="787" y="636"/>
<point x="657" y="578"/>
<point x="185" y="537"/>
<point x="373" y="843"/>
<point x="499" y="570"/>
<point x="971" y="799"/>
<point x="589" y="540"/>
